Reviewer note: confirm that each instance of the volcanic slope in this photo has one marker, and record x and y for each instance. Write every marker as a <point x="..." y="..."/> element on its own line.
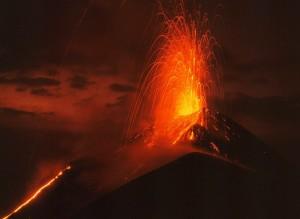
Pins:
<point x="202" y="184"/>
<point x="199" y="186"/>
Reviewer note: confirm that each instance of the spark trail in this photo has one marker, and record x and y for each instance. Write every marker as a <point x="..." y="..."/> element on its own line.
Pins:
<point x="37" y="192"/>
<point x="173" y="94"/>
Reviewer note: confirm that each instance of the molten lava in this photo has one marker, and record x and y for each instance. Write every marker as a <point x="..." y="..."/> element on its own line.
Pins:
<point x="37" y="192"/>
<point x="173" y="94"/>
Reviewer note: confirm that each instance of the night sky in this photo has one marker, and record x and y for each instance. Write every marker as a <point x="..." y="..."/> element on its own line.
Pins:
<point x="69" y="70"/>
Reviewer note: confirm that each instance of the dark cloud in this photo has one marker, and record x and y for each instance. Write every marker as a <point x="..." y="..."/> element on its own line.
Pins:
<point x="29" y="81"/>
<point x="122" y="87"/>
<point x="79" y="82"/>
<point x="120" y="101"/>
<point x="41" y="92"/>
<point x="85" y="101"/>
<point x="13" y="114"/>
<point x="21" y="89"/>
<point x="6" y="111"/>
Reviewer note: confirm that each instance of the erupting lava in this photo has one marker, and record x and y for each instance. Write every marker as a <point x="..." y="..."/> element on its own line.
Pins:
<point x="37" y="192"/>
<point x="173" y="94"/>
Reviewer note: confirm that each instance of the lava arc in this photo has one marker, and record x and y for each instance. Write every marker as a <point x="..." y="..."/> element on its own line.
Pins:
<point x="173" y="94"/>
<point x="37" y="192"/>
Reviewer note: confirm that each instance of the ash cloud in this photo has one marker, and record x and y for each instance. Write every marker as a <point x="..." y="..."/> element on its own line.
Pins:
<point x="120" y="101"/>
<point x="6" y="111"/>
<point x="79" y="82"/>
<point x="29" y="81"/>
<point x="122" y="88"/>
<point x="41" y="92"/>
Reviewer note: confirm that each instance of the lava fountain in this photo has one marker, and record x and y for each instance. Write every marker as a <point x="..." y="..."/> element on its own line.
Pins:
<point x="173" y="94"/>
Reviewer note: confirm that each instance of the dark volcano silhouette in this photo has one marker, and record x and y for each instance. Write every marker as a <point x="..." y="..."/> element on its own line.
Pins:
<point x="197" y="185"/>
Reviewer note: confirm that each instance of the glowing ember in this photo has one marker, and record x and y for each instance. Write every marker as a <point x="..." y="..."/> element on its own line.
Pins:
<point x="173" y="95"/>
<point x="38" y="192"/>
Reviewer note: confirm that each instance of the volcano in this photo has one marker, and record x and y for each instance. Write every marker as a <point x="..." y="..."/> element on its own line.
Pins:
<point x="228" y="172"/>
<point x="196" y="186"/>
<point x="235" y="176"/>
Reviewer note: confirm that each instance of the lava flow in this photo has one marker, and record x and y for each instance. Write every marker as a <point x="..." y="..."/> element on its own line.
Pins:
<point x="38" y="192"/>
<point x="173" y="94"/>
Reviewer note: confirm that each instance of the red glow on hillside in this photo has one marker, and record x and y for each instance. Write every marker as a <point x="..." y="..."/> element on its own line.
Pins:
<point x="37" y="193"/>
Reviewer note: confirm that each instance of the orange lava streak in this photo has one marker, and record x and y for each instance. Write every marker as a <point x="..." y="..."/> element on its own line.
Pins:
<point x="38" y="192"/>
<point x="173" y="94"/>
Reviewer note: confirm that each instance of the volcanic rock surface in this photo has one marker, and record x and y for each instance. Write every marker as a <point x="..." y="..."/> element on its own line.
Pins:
<point x="197" y="185"/>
